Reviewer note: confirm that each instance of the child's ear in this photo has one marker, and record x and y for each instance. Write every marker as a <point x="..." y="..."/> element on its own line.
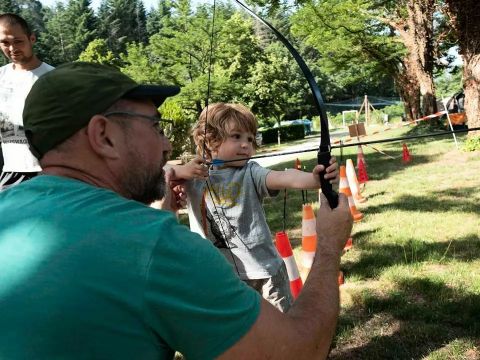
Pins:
<point x="214" y="153"/>
<point x="213" y="149"/>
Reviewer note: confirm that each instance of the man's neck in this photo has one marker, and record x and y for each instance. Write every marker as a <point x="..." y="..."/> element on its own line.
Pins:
<point x="31" y="65"/>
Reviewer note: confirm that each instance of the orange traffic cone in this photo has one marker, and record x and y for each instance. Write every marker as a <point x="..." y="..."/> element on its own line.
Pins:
<point x="285" y="249"/>
<point x="348" y="244"/>
<point x="298" y="164"/>
<point x="341" y="278"/>
<point x="309" y="236"/>
<point x="353" y="182"/>
<point x="362" y="173"/>
<point x="360" y="156"/>
<point x="406" y="158"/>
<point x="345" y="188"/>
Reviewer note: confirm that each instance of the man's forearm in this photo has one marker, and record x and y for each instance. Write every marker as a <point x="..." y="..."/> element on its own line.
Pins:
<point x="316" y="308"/>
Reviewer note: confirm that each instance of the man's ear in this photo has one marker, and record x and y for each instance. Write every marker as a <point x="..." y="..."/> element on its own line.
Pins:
<point x="105" y="137"/>
<point x="33" y="38"/>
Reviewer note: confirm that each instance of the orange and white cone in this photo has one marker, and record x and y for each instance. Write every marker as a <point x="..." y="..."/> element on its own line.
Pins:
<point x="348" y="244"/>
<point x="353" y="182"/>
<point x="309" y="236"/>
<point x="345" y="188"/>
<point x="360" y="156"/>
<point x="341" y="278"/>
<point x="285" y="249"/>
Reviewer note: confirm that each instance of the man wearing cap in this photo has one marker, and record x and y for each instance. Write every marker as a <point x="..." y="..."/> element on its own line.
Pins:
<point x="16" y="79"/>
<point x="92" y="272"/>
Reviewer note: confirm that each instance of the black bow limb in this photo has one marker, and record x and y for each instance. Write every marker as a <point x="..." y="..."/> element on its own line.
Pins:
<point x="323" y="156"/>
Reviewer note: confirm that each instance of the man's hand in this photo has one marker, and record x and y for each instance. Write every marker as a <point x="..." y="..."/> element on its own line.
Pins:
<point x="175" y="196"/>
<point x="333" y="226"/>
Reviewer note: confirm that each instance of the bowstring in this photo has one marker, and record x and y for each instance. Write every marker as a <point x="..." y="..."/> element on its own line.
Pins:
<point x="208" y="182"/>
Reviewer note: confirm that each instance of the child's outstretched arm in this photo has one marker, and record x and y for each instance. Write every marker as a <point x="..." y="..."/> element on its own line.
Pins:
<point x="296" y="179"/>
<point x="194" y="169"/>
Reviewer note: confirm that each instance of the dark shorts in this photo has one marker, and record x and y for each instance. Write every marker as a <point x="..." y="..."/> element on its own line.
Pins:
<point x="276" y="290"/>
<point x="9" y="179"/>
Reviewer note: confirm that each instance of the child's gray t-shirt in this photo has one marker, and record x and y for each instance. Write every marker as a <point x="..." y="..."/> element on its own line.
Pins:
<point x="236" y="213"/>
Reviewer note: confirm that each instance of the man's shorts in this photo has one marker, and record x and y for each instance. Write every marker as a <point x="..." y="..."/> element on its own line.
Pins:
<point x="9" y="179"/>
<point x="276" y="289"/>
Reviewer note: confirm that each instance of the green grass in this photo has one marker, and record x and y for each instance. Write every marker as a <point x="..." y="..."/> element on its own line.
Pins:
<point x="412" y="279"/>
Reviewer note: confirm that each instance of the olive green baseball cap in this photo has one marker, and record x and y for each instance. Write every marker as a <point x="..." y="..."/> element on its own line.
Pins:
<point x="63" y="101"/>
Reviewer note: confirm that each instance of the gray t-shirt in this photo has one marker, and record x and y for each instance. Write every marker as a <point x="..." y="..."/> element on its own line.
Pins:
<point x="235" y="218"/>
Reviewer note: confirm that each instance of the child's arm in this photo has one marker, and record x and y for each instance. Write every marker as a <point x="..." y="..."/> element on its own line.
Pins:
<point x="296" y="179"/>
<point x="195" y="168"/>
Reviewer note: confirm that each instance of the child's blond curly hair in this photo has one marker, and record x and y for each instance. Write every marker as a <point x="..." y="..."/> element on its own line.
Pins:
<point x="220" y="117"/>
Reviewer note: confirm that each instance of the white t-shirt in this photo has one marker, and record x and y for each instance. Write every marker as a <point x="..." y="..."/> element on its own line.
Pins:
<point x="14" y="88"/>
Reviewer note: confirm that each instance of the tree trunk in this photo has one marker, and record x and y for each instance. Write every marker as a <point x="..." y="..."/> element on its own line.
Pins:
<point x="471" y="74"/>
<point x="464" y="18"/>
<point x="409" y="90"/>
<point x="418" y="39"/>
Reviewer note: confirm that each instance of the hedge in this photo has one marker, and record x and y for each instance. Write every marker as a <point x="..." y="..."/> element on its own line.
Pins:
<point x="292" y="132"/>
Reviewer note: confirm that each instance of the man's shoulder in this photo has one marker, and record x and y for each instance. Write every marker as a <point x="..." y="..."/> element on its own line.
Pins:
<point x="47" y="66"/>
<point x="42" y="69"/>
<point x="5" y="68"/>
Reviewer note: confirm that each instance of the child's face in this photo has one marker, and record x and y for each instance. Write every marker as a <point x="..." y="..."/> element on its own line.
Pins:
<point x="237" y="145"/>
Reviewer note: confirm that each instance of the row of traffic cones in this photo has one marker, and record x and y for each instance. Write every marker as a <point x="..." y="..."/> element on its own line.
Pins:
<point x="361" y="164"/>
<point x="309" y="233"/>
<point x="350" y="186"/>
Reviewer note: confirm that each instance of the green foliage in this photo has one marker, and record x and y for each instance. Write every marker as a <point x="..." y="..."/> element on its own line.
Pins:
<point x="9" y="6"/>
<point x="159" y="17"/>
<point x="394" y="112"/>
<point x="97" y="51"/>
<point x="122" y="22"/>
<point x="358" y="52"/>
<point x="277" y="85"/>
<point x="138" y="65"/>
<point x="287" y="133"/>
<point x="448" y="83"/>
<point x="69" y="29"/>
<point x="180" y="139"/>
<point x="472" y="144"/>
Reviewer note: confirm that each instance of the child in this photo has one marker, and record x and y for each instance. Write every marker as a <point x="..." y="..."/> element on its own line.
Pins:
<point x="227" y="207"/>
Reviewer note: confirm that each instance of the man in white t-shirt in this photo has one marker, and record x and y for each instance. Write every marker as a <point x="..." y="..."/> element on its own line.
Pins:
<point x="16" y="79"/>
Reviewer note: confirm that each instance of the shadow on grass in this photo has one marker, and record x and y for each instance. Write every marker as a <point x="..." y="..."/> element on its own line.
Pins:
<point x="414" y="319"/>
<point x="376" y="258"/>
<point x="434" y="201"/>
<point x="374" y="195"/>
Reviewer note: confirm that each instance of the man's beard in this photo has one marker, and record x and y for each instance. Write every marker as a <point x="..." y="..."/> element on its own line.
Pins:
<point x="141" y="183"/>
<point x="21" y="59"/>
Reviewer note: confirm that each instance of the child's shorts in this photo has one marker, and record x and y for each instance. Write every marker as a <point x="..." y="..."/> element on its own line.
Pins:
<point x="276" y="289"/>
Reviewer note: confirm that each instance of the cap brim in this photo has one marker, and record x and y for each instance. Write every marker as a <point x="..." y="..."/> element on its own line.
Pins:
<point x="156" y="93"/>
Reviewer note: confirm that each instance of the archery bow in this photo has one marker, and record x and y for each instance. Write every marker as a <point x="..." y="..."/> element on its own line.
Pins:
<point x="323" y="155"/>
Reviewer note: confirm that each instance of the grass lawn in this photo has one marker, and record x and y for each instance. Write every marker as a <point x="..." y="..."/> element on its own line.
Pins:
<point x="412" y="278"/>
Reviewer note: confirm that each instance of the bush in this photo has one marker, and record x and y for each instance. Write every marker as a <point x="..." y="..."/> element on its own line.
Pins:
<point x="180" y="138"/>
<point x="334" y="121"/>
<point x="292" y="132"/>
<point x="472" y="144"/>
<point x="394" y="112"/>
